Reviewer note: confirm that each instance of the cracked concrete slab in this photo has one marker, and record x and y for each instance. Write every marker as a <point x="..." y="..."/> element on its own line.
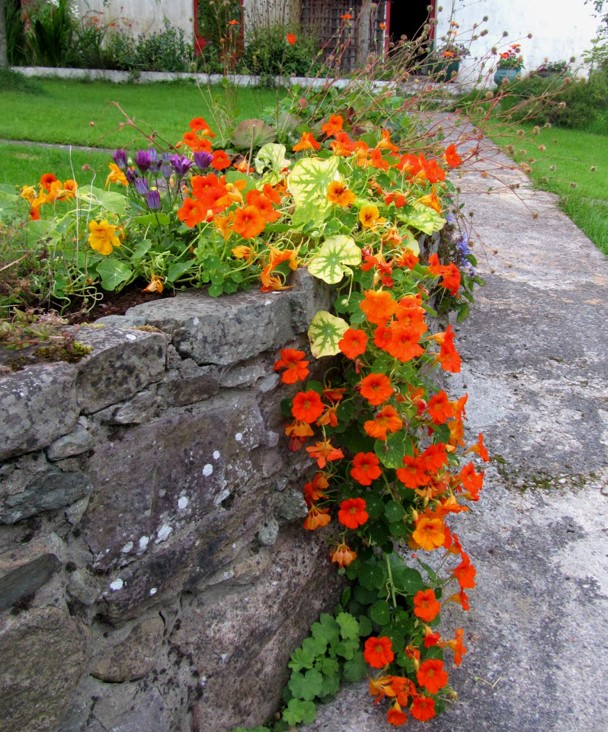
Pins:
<point x="534" y="351"/>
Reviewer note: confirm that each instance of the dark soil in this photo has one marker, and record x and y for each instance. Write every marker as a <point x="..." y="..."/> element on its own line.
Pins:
<point x="115" y="303"/>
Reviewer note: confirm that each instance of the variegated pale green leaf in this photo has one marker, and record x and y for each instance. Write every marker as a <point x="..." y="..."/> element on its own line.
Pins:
<point x="310" y="178"/>
<point x="423" y="218"/>
<point x="324" y="332"/>
<point x="271" y="156"/>
<point x="410" y="242"/>
<point x="333" y="258"/>
<point x="111" y="201"/>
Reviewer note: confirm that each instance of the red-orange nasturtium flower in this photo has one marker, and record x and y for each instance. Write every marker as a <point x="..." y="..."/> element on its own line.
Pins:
<point x="386" y="420"/>
<point x="378" y="652"/>
<point x="295" y="365"/>
<point x="423" y="708"/>
<point x="465" y="573"/>
<point x="353" y="343"/>
<point x="457" y="646"/>
<point x="429" y="533"/>
<point x="452" y="158"/>
<point x="352" y="513"/>
<point x="426" y="605"/>
<point x="440" y="408"/>
<point x="191" y="213"/>
<point x="46" y="180"/>
<point x="307" y="406"/>
<point x="333" y="125"/>
<point x="315" y="489"/>
<point x="316" y="518"/>
<point x="291" y="39"/>
<point x="343" y="555"/>
<point x="480" y="449"/>
<point x="366" y="468"/>
<point x="401" y="342"/>
<point x="198" y="124"/>
<point x="396" y="716"/>
<point x="324" y="452"/>
<point x="381" y="687"/>
<point x="376" y="388"/>
<point x="431" y="675"/>
<point x="472" y="482"/>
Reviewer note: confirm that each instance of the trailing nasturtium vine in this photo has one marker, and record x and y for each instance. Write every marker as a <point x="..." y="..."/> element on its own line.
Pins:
<point x="390" y="466"/>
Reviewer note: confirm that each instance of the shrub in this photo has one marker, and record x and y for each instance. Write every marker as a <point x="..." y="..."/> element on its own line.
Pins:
<point x="49" y="32"/>
<point x="279" y="50"/>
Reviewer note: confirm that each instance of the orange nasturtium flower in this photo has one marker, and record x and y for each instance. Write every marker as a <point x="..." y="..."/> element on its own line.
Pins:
<point x="103" y="236"/>
<point x="296" y="368"/>
<point x="376" y="388"/>
<point x="116" y="175"/>
<point x="352" y="513"/>
<point x="456" y="645"/>
<point x="248" y="222"/>
<point x="307" y="142"/>
<point x="379" y="306"/>
<point x="198" y="124"/>
<point x="386" y="420"/>
<point x="426" y="606"/>
<point x="429" y="533"/>
<point x="272" y="279"/>
<point x="316" y="518"/>
<point x="431" y="675"/>
<point x="155" y="284"/>
<point x="343" y="555"/>
<point x="192" y="212"/>
<point x="366" y="468"/>
<point x="378" y="652"/>
<point x="353" y="343"/>
<point x="307" y="406"/>
<point x="369" y="216"/>
<point x="339" y="194"/>
<point x="290" y="38"/>
<point x="324" y="452"/>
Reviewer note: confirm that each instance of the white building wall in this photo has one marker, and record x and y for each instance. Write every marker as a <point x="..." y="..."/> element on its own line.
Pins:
<point x="146" y="16"/>
<point x="560" y="29"/>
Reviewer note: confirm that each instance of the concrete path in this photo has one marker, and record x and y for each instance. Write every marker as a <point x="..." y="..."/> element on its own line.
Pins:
<point x="535" y="350"/>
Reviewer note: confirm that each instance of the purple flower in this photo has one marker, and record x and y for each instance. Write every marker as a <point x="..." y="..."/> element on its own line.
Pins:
<point x="144" y="159"/>
<point x="181" y="164"/>
<point x="202" y="159"/>
<point x="120" y="158"/>
<point x="141" y="186"/>
<point x="131" y="175"/>
<point x="153" y="199"/>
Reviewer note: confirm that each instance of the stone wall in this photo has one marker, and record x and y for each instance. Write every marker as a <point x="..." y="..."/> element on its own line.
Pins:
<point x="153" y="570"/>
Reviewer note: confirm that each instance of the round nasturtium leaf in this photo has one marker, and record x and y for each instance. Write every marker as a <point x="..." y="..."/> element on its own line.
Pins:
<point x="334" y="258"/>
<point x="324" y="332"/>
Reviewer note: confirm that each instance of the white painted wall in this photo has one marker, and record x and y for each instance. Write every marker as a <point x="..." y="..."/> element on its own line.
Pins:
<point x="147" y="16"/>
<point x="559" y="28"/>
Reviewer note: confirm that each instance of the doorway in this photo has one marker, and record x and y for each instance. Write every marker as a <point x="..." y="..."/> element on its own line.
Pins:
<point x="407" y="18"/>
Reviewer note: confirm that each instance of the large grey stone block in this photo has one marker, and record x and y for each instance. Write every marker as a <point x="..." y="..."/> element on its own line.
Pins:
<point x="37" y="405"/>
<point x="44" y="652"/>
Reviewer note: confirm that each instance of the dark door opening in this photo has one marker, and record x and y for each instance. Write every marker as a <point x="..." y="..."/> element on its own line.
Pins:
<point x="407" y="19"/>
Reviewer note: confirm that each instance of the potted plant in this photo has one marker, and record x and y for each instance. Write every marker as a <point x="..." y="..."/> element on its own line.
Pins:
<point x="510" y="64"/>
<point x="444" y="61"/>
<point x="552" y="68"/>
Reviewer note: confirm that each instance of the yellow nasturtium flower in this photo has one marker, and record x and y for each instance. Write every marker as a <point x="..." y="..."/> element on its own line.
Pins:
<point x="103" y="237"/>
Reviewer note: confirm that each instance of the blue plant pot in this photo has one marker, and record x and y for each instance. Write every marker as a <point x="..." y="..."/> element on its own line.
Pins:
<point x="508" y="74"/>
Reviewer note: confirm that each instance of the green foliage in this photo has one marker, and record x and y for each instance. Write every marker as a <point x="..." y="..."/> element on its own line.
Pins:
<point x="49" y="32"/>
<point x="15" y="33"/>
<point x="268" y="52"/>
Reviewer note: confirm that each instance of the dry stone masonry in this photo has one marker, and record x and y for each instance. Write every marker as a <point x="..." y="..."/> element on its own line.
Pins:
<point x="153" y="572"/>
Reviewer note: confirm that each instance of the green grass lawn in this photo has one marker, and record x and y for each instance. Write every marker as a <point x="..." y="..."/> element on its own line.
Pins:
<point x="84" y="113"/>
<point x="570" y="163"/>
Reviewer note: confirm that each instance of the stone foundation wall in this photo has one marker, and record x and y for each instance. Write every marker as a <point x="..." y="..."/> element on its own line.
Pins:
<point x="153" y="571"/>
